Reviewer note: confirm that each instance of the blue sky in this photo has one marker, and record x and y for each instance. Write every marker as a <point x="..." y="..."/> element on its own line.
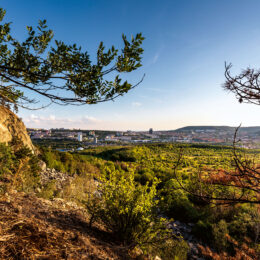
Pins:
<point x="187" y="43"/>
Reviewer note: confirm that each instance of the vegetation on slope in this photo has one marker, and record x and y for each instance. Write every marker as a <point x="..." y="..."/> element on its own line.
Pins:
<point x="240" y="222"/>
<point x="126" y="189"/>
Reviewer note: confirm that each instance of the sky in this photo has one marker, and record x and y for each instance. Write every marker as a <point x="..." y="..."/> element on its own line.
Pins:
<point x="186" y="45"/>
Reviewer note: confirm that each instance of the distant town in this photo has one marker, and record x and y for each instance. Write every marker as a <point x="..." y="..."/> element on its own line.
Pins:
<point x="249" y="137"/>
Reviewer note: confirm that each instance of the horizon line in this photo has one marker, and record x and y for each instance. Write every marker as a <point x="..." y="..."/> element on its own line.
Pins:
<point x="92" y="129"/>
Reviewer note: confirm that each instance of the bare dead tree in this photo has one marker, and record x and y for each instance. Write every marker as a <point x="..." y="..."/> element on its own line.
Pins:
<point x="246" y="85"/>
<point x="242" y="185"/>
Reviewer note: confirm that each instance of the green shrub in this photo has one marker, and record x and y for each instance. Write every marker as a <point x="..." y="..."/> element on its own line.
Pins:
<point x="57" y="165"/>
<point x="123" y="155"/>
<point x="146" y="177"/>
<point x="177" y="205"/>
<point x="49" y="190"/>
<point x="172" y="250"/>
<point x="181" y="208"/>
<point x="243" y="224"/>
<point x="220" y="231"/>
<point x="129" y="210"/>
<point x="203" y="230"/>
<point x="7" y="159"/>
<point x="19" y="168"/>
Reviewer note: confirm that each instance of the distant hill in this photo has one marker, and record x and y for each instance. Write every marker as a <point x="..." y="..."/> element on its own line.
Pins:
<point x="194" y="128"/>
<point x="250" y="129"/>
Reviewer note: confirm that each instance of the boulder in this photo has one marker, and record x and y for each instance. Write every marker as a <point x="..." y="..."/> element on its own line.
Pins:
<point x="11" y="126"/>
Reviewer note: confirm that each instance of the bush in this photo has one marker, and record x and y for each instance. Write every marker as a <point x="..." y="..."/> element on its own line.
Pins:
<point x="77" y="188"/>
<point x="203" y="230"/>
<point x="173" y="250"/>
<point x="129" y="210"/>
<point x="242" y="225"/>
<point x="49" y="190"/>
<point x="19" y="168"/>
<point x="220" y="232"/>
<point x="6" y="159"/>
<point x="177" y="205"/>
<point x="123" y="155"/>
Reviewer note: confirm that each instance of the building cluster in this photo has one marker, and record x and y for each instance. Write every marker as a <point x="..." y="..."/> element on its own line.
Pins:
<point x="246" y="139"/>
<point x="61" y="134"/>
<point x="209" y="136"/>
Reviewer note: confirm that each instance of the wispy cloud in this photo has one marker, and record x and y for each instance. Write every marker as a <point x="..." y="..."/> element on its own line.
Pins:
<point x="155" y="58"/>
<point x="157" y="53"/>
<point x="53" y="121"/>
<point x="91" y="119"/>
<point x="136" y="104"/>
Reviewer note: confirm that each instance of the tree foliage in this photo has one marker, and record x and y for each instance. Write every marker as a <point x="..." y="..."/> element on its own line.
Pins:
<point x="61" y="73"/>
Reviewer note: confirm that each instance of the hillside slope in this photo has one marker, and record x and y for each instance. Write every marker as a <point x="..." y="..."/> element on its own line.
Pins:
<point x="34" y="228"/>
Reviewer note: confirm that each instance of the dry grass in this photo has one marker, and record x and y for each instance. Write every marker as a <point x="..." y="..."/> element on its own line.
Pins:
<point x="33" y="228"/>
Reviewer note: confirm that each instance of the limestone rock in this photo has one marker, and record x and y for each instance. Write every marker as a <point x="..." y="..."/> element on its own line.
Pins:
<point x="42" y="165"/>
<point x="47" y="175"/>
<point x="12" y="126"/>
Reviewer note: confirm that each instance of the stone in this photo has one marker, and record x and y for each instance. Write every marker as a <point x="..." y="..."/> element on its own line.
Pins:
<point x="20" y="209"/>
<point x="12" y="191"/>
<point x="38" y="190"/>
<point x="60" y="178"/>
<point x="11" y="126"/>
<point x="42" y="165"/>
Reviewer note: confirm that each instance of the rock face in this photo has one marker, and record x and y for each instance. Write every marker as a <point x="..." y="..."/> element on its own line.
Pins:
<point x="12" y="126"/>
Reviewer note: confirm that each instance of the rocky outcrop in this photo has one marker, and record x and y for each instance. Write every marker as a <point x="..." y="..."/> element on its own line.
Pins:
<point x="47" y="175"/>
<point x="12" y="127"/>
